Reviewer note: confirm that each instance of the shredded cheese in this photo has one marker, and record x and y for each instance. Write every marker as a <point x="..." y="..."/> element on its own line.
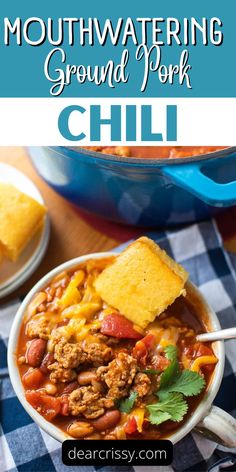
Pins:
<point x="81" y="310"/>
<point x="72" y="294"/>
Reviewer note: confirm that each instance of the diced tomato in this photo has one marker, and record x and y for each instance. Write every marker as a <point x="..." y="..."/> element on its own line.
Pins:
<point x="198" y="350"/>
<point x="64" y="406"/>
<point x="188" y="351"/>
<point x="149" y="341"/>
<point x="203" y="350"/>
<point x="143" y="347"/>
<point x="131" y="426"/>
<point x="118" y="326"/>
<point x="140" y="352"/>
<point x="208" y="368"/>
<point x="46" y="405"/>
<point x="160" y="362"/>
<point x="33" y="378"/>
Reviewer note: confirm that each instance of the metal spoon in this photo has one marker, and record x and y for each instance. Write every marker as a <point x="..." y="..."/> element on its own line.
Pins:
<point x="229" y="333"/>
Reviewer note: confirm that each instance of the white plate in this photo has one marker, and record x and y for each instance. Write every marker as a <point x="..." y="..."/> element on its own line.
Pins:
<point x="14" y="274"/>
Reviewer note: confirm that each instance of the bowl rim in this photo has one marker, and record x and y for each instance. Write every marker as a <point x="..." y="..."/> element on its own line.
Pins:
<point x="146" y="162"/>
<point x="201" y="410"/>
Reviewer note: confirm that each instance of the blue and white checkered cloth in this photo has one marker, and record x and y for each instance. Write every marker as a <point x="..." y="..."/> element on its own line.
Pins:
<point x="24" y="447"/>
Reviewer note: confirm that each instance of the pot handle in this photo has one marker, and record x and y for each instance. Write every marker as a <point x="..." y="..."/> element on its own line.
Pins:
<point x="191" y="178"/>
<point x="218" y="426"/>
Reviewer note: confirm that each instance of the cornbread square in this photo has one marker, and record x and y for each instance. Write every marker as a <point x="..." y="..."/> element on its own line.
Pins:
<point x="141" y="282"/>
<point x="20" y="218"/>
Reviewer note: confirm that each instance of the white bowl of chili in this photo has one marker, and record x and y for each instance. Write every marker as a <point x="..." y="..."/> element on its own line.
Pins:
<point x="204" y="417"/>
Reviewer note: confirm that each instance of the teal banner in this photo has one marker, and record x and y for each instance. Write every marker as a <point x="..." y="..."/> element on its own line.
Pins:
<point x="117" y="49"/>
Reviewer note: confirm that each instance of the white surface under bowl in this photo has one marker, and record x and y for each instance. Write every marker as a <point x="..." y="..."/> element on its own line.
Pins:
<point x="55" y="432"/>
<point x="14" y="274"/>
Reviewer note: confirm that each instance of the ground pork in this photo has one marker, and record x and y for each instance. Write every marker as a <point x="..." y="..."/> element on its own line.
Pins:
<point x="142" y="384"/>
<point x="60" y="373"/>
<point x="89" y="403"/>
<point x="38" y="328"/>
<point x="108" y="340"/>
<point x="118" y="375"/>
<point x="97" y="353"/>
<point x="71" y="355"/>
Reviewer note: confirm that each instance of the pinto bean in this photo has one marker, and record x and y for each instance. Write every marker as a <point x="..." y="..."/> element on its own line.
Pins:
<point x="86" y="377"/>
<point x="94" y="436"/>
<point x="35" y="352"/>
<point x="59" y="291"/>
<point x="50" y="291"/>
<point x="42" y="308"/>
<point x="80" y="429"/>
<point x="34" y="304"/>
<point x="61" y="280"/>
<point x="107" y="421"/>
<point x="50" y="388"/>
<point x="21" y="360"/>
<point x="97" y="386"/>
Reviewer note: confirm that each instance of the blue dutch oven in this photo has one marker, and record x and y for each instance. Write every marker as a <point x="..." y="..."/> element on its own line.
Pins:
<point x="140" y="192"/>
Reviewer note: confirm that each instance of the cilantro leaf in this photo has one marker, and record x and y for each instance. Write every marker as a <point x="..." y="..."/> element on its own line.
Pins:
<point x="173" y="407"/>
<point x="151" y="371"/>
<point x="158" y="416"/>
<point x="188" y="383"/>
<point x="127" y="404"/>
<point x="171" y="372"/>
<point x="174" y="385"/>
<point x="171" y="352"/>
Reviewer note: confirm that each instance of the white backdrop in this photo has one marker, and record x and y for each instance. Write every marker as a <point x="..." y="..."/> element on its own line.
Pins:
<point x="34" y="121"/>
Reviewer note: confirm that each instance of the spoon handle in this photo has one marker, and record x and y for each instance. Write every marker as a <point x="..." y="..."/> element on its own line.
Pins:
<point x="222" y="334"/>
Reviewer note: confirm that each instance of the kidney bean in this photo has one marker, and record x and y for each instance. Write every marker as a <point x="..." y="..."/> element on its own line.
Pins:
<point x="69" y="388"/>
<point x="35" y="352"/>
<point x="80" y="429"/>
<point x="47" y="360"/>
<point x="107" y="421"/>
